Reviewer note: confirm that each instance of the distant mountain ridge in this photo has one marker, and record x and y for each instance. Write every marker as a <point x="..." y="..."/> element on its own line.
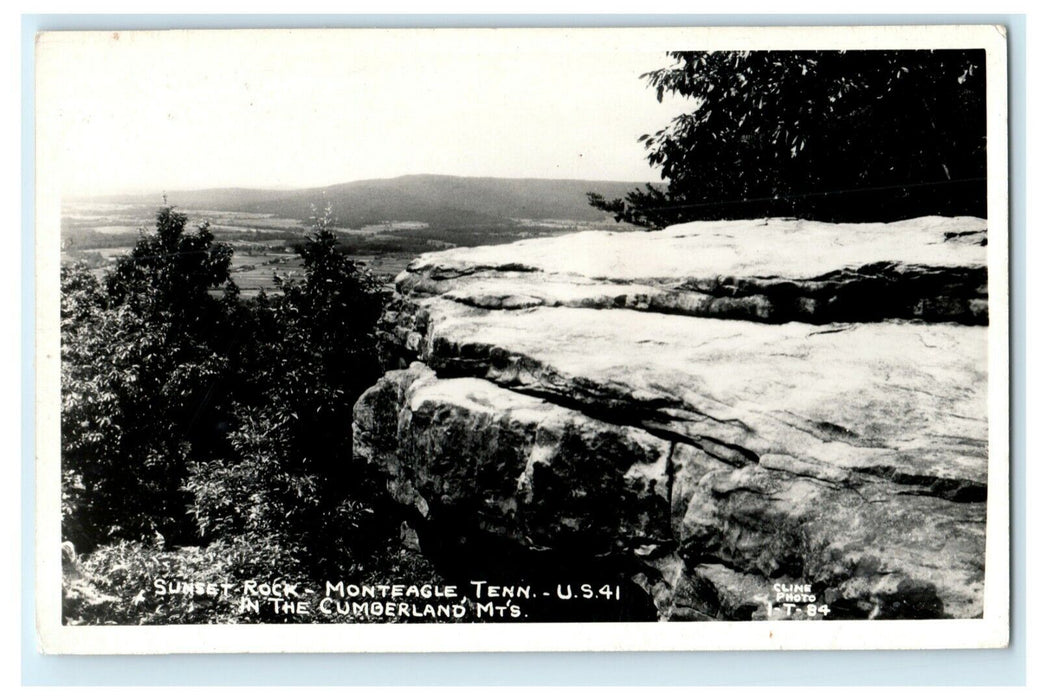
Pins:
<point x="440" y="200"/>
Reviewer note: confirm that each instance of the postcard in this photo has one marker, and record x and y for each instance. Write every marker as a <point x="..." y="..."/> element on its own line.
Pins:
<point x="590" y="339"/>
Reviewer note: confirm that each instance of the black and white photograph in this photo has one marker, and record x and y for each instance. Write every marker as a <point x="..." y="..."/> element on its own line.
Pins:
<point x="522" y="339"/>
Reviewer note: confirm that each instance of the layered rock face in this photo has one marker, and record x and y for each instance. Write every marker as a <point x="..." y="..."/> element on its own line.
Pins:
<point x="710" y="412"/>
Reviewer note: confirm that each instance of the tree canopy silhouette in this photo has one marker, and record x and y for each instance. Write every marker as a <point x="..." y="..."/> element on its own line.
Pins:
<point x="825" y="135"/>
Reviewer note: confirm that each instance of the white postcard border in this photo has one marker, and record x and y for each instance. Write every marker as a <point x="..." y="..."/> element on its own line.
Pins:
<point x="990" y="631"/>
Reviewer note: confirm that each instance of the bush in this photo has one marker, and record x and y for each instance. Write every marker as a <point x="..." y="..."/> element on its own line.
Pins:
<point x="115" y="584"/>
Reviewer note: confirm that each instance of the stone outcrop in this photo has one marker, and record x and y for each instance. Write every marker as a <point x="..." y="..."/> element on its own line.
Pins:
<point x="771" y="270"/>
<point x="706" y="411"/>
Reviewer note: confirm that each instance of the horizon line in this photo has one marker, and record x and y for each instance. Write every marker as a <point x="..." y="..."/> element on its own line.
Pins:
<point x="300" y="188"/>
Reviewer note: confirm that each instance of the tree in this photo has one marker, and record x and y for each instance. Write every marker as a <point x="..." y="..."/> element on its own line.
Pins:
<point x="827" y="135"/>
<point x="194" y="416"/>
<point x="144" y="359"/>
<point x="290" y="473"/>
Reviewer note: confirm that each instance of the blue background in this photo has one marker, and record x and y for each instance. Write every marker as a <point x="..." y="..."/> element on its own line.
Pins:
<point x="958" y="667"/>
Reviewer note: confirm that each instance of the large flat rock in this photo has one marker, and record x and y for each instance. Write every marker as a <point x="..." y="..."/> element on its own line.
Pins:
<point x="708" y="458"/>
<point x="772" y="270"/>
<point x="836" y="398"/>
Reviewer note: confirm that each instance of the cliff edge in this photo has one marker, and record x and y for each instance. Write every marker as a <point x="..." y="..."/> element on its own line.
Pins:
<point x="710" y="413"/>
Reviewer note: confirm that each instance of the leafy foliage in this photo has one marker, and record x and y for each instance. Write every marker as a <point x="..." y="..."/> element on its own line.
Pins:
<point x="311" y="354"/>
<point x="170" y="272"/>
<point x="115" y="584"/>
<point x="140" y="364"/>
<point x="202" y="433"/>
<point x="323" y="355"/>
<point x="827" y="135"/>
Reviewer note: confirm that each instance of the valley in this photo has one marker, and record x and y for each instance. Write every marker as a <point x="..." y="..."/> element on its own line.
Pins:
<point x="381" y="223"/>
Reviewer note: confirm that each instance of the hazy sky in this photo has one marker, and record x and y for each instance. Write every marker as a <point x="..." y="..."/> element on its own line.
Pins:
<point x="177" y="110"/>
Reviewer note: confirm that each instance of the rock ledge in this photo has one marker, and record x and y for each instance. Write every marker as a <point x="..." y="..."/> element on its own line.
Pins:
<point x="706" y="411"/>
